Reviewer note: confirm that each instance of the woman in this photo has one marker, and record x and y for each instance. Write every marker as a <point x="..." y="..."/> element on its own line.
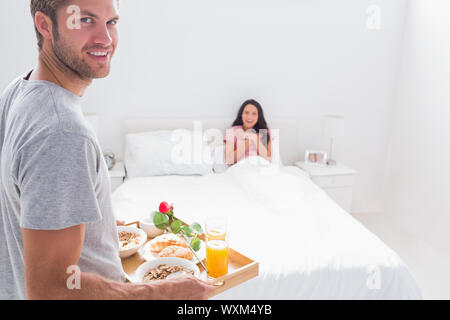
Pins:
<point x="249" y="135"/>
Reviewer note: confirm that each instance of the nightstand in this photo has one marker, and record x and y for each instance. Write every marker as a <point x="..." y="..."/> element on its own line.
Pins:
<point x="116" y="175"/>
<point x="336" y="181"/>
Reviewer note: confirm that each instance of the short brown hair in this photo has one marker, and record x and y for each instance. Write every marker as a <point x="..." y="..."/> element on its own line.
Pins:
<point x="49" y="8"/>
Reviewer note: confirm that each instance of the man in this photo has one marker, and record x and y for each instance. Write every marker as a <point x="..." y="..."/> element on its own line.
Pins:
<point x="56" y="214"/>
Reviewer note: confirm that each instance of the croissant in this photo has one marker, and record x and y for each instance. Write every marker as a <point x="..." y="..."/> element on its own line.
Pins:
<point x="176" y="251"/>
<point x="163" y="241"/>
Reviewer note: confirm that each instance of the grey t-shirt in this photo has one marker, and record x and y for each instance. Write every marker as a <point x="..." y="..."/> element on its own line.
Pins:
<point x="52" y="176"/>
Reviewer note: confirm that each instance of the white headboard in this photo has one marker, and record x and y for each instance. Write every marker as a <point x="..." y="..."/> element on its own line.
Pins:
<point x="289" y="132"/>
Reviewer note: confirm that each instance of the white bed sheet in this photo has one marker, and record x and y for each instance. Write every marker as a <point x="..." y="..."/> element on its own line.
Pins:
<point x="307" y="246"/>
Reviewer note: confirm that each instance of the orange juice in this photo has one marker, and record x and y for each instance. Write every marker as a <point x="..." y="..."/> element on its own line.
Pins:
<point x="217" y="258"/>
<point x="216" y="234"/>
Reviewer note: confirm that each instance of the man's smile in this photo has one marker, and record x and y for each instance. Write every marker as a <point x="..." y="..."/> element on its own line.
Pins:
<point x="99" y="55"/>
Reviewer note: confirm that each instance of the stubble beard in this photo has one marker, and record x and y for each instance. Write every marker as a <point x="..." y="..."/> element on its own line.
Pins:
<point x="68" y="57"/>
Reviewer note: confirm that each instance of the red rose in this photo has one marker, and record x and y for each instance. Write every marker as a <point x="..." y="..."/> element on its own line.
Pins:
<point x="164" y="207"/>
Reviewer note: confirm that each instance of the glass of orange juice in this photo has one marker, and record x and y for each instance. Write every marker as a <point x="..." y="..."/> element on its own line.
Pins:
<point x="216" y="248"/>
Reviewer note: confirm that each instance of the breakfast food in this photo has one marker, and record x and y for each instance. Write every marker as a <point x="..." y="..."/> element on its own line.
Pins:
<point x="128" y="240"/>
<point x="177" y="251"/>
<point x="162" y="271"/>
<point x="163" y="241"/>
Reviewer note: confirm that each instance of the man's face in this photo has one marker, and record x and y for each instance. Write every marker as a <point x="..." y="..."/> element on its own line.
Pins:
<point x="86" y="38"/>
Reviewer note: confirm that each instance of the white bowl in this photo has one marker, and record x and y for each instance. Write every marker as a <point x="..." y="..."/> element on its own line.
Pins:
<point x="142" y="237"/>
<point x="170" y="261"/>
<point x="146" y="224"/>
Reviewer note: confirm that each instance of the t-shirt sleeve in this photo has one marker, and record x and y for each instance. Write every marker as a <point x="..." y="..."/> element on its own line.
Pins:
<point x="57" y="179"/>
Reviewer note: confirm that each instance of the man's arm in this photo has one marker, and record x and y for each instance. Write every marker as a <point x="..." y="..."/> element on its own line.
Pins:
<point x="48" y="254"/>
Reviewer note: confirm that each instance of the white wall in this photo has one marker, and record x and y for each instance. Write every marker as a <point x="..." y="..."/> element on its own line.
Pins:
<point x="202" y="58"/>
<point x="419" y="185"/>
<point x="17" y="40"/>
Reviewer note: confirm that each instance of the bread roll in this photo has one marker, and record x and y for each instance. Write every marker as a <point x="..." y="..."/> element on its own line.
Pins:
<point x="177" y="251"/>
<point x="163" y="241"/>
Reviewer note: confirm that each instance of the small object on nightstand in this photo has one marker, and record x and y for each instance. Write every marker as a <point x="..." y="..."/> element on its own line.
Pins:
<point x="316" y="157"/>
<point x="110" y="159"/>
<point x="336" y="181"/>
<point x="117" y="175"/>
<point x="332" y="129"/>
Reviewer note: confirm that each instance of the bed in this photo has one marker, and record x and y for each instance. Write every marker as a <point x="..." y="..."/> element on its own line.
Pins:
<point x="308" y="247"/>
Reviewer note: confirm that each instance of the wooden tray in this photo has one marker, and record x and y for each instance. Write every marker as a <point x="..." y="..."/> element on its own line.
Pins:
<point x="240" y="269"/>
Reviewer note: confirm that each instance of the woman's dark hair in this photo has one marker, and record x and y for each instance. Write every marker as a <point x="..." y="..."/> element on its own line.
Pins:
<point x="261" y="124"/>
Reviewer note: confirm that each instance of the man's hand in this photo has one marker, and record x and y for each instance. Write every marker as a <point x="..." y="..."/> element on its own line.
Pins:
<point x="183" y="288"/>
<point x="120" y="222"/>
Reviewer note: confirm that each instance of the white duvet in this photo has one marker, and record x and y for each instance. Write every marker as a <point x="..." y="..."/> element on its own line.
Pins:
<point x="307" y="246"/>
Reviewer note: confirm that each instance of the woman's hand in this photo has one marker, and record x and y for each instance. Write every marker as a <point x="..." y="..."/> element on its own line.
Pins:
<point x="252" y="137"/>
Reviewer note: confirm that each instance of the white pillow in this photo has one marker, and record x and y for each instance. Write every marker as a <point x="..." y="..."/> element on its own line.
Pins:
<point x="175" y="152"/>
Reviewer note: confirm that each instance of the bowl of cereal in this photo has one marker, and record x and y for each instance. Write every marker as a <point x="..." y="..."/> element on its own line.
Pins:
<point x="165" y="268"/>
<point x="131" y="239"/>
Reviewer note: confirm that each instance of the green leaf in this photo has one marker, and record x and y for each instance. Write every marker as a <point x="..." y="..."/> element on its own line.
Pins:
<point x="176" y="226"/>
<point x="195" y="244"/>
<point x="197" y="227"/>
<point x="160" y="220"/>
<point x="188" y="231"/>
